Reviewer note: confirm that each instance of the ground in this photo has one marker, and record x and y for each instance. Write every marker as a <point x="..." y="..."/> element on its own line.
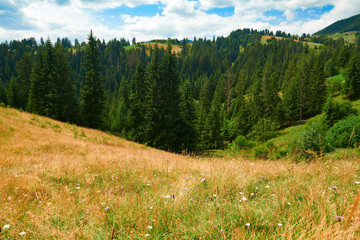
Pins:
<point x="67" y="182"/>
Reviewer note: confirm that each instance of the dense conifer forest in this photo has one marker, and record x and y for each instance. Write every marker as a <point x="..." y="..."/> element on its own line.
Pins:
<point x="205" y="95"/>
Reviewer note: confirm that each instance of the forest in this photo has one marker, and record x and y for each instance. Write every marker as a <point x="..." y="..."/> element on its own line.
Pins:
<point x="212" y="92"/>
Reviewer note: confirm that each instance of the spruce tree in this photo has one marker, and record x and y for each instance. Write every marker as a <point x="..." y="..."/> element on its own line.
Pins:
<point x="152" y="100"/>
<point x="63" y="94"/>
<point x="38" y="88"/>
<point x="3" y="93"/>
<point x="24" y="68"/>
<point x="188" y="111"/>
<point x="137" y="104"/>
<point x="92" y="91"/>
<point x="352" y="80"/>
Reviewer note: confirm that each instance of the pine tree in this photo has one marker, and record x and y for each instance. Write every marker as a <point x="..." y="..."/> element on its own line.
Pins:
<point x="63" y="94"/>
<point x="38" y="86"/>
<point x="352" y="80"/>
<point x="137" y="101"/>
<point x="24" y="68"/>
<point x="152" y="100"/>
<point x="121" y="120"/>
<point x="188" y="111"/>
<point x="13" y="93"/>
<point x="3" y="93"/>
<point x="317" y="88"/>
<point x="92" y="92"/>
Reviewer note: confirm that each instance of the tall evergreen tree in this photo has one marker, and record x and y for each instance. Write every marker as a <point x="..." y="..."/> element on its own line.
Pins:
<point x="3" y="93"/>
<point x="24" y="68"/>
<point x="352" y="80"/>
<point x="137" y="102"/>
<point x="38" y="86"/>
<point x="92" y="92"/>
<point x="63" y="94"/>
<point x="188" y="111"/>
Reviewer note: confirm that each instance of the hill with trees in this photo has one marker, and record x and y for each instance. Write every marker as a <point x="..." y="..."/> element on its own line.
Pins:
<point x="341" y="26"/>
<point x="248" y="85"/>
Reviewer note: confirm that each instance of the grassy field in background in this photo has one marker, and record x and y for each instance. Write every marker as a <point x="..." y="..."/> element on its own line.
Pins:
<point x="61" y="181"/>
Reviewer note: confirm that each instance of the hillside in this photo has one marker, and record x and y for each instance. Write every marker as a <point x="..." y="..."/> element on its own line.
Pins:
<point x="344" y="25"/>
<point x="63" y="181"/>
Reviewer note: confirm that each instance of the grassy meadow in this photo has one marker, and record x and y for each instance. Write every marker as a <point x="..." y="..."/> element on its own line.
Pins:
<point x="61" y="181"/>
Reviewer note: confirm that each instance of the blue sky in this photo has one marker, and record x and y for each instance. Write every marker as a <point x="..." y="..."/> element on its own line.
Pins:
<point x="149" y="19"/>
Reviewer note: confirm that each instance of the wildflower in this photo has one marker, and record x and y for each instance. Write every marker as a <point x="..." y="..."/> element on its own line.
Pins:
<point x="280" y="224"/>
<point x="247" y="224"/>
<point x="6" y="226"/>
<point x="147" y="235"/>
<point x="150" y="208"/>
<point x="240" y="193"/>
<point x="185" y="189"/>
<point x="22" y="233"/>
<point x="103" y="204"/>
<point x="214" y="195"/>
<point x="289" y="203"/>
<point x="221" y="230"/>
<point x="267" y="186"/>
<point x="203" y="180"/>
<point x="357" y="182"/>
<point x="339" y="218"/>
<point x="252" y="164"/>
<point x="150" y="227"/>
<point x="167" y="196"/>
<point x="334" y="187"/>
<point x="244" y="199"/>
<point x="107" y="208"/>
<point x="77" y="187"/>
<point x="252" y="194"/>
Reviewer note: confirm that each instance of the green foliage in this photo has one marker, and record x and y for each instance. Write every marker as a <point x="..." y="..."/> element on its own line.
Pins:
<point x="352" y="80"/>
<point x="261" y="152"/>
<point x="335" y="84"/>
<point x="335" y="111"/>
<point x="242" y="143"/>
<point x="92" y="91"/>
<point x="311" y="140"/>
<point x="330" y="69"/>
<point x="345" y="133"/>
<point x="263" y="130"/>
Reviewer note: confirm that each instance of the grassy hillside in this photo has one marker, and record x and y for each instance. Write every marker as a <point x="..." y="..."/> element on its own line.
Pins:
<point x="63" y="181"/>
<point x="341" y="26"/>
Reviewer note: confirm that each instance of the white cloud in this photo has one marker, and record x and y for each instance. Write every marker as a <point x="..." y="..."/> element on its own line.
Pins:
<point x="181" y="18"/>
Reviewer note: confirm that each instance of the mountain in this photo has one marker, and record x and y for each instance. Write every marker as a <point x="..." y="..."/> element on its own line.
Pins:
<point x="345" y="25"/>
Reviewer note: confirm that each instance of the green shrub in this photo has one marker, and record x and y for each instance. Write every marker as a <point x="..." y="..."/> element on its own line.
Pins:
<point x="281" y="153"/>
<point x="311" y="141"/>
<point x="335" y="111"/>
<point x="261" y="152"/>
<point x="242" y="143"/>
<point x="263" y="130"/>
<point x="339" y="135"/>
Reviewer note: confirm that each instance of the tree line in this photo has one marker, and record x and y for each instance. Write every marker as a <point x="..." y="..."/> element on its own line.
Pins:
<point x="206" y="95"/>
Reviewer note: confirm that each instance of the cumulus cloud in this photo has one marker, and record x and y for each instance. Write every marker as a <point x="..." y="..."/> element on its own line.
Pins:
<point x="181" y="18"/>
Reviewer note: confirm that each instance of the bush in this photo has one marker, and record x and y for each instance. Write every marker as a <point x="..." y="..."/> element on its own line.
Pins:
<point x="339" y="135"/>
<point x="263" y="130"/>
<point x="281" y="153"/>
<point x="311" y="141"/>
<point x="335" y="111"/>
<point x="242" y="143"/>
<point x="261" y="152"/>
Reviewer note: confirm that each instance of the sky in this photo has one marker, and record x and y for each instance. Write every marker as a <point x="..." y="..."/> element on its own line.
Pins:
<point x="152" y="19"/>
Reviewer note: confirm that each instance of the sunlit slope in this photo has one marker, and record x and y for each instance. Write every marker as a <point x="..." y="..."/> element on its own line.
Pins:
<point x="59" y="181"/>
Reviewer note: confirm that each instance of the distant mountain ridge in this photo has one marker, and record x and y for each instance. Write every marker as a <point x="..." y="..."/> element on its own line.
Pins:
<point x="345" y="25"/>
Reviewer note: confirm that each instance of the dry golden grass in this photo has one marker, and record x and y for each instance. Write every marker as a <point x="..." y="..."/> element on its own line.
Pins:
<point x="60" y="181"/>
